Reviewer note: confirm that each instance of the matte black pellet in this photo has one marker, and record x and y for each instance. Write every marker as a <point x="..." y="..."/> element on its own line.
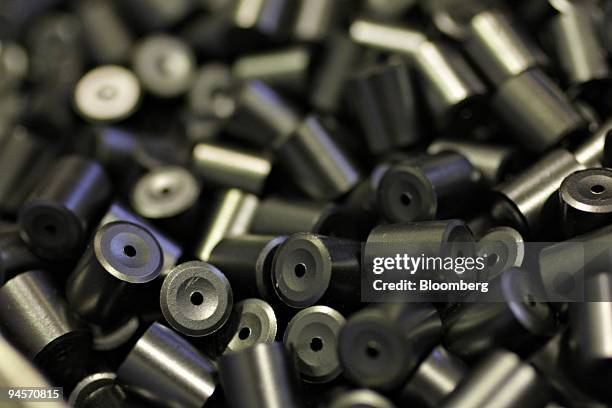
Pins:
<point x="255" y="323"/>
<point x="119" y="263"/>
<point x="172" y="251"/>
<point x="23" y="155"/>
<point x="426" y="188"/>
<point x="107" y="35"/>
<point x="107" y="94"/>
<point x="308" y="269"/>
<point x="312" y="337"/>
<point x="261" y="116"/>
<point x="164" y="368"/>
<point x="520" y="323"/>
<point x="500" y="48"/>
<point x="15" y="255"/>
<point x="586" y="201"/>
<point x="591" y="334"/>
<point x="524" y="200"/>
<point x="229" y="166"/>
<point x="501" y="380"/>
<point x="229" y="214"/>
<point x="59" y="213"/>
<point x="314" y="19"/>
<point x="329" y="81"/>
<point x="434" y="379"/>
<point x="281" y="216"/>
<point x="210" y="96"/>
<point x="539" y="114"/>
<point x="247" y="262"/>
<point x="363" y="398"/>
<point x="164" y="65"/>
<point x="258" y="377"/>
<point x="168" y="196"/>
<point x="579" y="51"/>
<point x="494" y="161"/>
<point x="384" y="103"/>
<point x="269" y="17"/>
<point x="43" y="327"/>
<point x="196" y="298"/>
<point x="318" y="164"/>
<point x="381" y="345"/>
<point x="502" y="248"/>
<point x="452" y="89"/>
<point x="284" y="68"/>
<point x="99" y="389"/>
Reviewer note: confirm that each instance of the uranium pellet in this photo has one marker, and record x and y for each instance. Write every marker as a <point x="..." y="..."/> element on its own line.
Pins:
<point x="229" y="214"/>
<point x="502" y="248"/>
<point x="268" y="17"/>
<point x="164" y="65"/>
<point x="254" y="322"/>
<point x="312" y="337"/>
<point x="586" y="201"/>
<point x="384" y="103"/>
<point x="501" y="370"/>
<point x="196" y="298"/>
<point x="500" y="48"/>
<point x="44" y="328"/>
<point x="58" y="214"/>
<point x="318" y="164"/>
<point x="309" y="268"/>
<point x="165" y="369"/>
<point x="434" y="379"/>
<point x="364" y="397"/>
<point x="261" y="116"/>
<point x="380" y="355"/>
<point x="431" y="187"/>
<point x="120" y="263"/>
<point x="315" y="19"/>
<point x="247" y="263"/>
<point x="99" y="389"/>
<point x="258" y="377"/>
<point x="539" y="114"/>
<point x="228" y="166"/>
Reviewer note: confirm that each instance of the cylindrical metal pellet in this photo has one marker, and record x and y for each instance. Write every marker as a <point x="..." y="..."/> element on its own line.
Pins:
<point x="15" y="255"/>
<point x="499" y="48"/>
<point x="539" y="114"/>
<point x="58" y="214"/>
<point x="38" y="321"/>
<point x="586" y="201"/>
<point x="502" y="248"/>
<point x="384" y="103"/>
<point x="501" y="380"/>
<point x="434" y="379"/>
<point x="232" y="167"/>
<point x="165" y="368"/>
<point x="314" y="19"/>
<point x="363" y="398"/>
<point x="247" y="262"/>
<point x="312" y="337"/>
<point x="164" y="65"/>
<point x="196" y="298"/>
<point x="229" y="215"/>
<point x="381" y="345"/>
<point x="492" y="160"/>
<point x="258" y="377"/>
<point x="255" y="322"/>
<point x="269" y="17"/>
<point x="99" y="389"/>
<point x="431" y="187"/>
<point x="262" y="117"/>
<point x="119" y="264"/>
<point x="309" y="268"/>
<point x="317" y="163"/>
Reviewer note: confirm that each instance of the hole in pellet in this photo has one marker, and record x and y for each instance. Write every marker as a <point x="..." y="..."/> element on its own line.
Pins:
<point x="244" y="333"/>
<point x="107" y="92"/>
<point x="50" y="229"/>
<point x="300" y="270"/>
<point x="492" y="259"/>
<point x="597" y="189"/>
<point x="129" y="250"/>
<point x="196" y="298"/>
<point x="316" y="344"/>
<point x="373" y="349"/>
<point x="406" y="199"/>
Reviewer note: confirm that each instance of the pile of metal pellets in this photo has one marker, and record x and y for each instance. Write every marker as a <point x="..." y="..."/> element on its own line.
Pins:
<point x="190" y="192"/>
